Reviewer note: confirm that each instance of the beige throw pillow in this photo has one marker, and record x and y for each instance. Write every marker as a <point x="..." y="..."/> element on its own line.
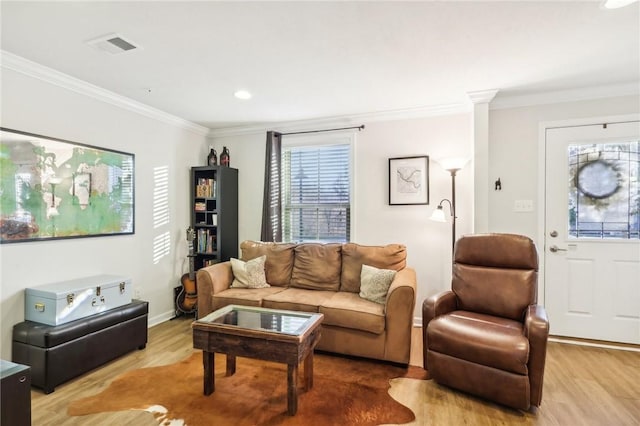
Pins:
<point x="391" y="256"/>
<point x="375" y="283"/>
<point x="249" y="274"/>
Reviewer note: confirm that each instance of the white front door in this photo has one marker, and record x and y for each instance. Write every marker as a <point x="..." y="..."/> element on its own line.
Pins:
<point x="592" y="222"/>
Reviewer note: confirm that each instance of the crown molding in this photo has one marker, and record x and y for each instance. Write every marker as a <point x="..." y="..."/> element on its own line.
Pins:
<point x="343" y="121"/>
<point x="570" y="95"/>
<point x="24" y="66"/>
<point x="482" y="96"/>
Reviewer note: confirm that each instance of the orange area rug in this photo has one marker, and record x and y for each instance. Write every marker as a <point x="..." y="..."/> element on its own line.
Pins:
<point x="345" y="392"/>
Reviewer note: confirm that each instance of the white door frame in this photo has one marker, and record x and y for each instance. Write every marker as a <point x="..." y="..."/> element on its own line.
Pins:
<point x="542" y="196"/>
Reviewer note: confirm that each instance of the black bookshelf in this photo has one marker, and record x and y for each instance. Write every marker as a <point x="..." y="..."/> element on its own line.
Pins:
<point x="214" y="214"/>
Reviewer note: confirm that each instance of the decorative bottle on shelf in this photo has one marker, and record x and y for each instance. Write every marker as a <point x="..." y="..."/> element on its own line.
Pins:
<point x="212" y="158"/>
<point x="225" y="159"/>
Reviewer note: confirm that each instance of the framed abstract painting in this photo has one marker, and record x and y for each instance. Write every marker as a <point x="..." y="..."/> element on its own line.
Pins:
<point x="52" y="188"/>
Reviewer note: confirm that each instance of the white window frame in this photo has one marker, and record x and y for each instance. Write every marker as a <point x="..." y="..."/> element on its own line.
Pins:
<point x="325" y="139"/>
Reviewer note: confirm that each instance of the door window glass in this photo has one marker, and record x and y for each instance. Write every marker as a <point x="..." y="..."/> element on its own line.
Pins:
<point x="604" y="192"/>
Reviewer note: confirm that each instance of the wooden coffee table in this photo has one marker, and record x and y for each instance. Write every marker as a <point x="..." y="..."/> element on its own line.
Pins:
<point x="269" y="334"/>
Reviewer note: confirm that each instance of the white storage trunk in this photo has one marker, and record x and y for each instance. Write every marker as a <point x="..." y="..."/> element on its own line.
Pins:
<point x="61" y="302"/>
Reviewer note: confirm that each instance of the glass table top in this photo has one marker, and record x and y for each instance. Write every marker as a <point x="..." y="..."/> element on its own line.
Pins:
<point x="8" y="368"/>
<point x="254" y="318"/>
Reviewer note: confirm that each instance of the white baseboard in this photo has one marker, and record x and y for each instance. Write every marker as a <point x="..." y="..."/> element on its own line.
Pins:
<point x="158" y="319"/>
<point x="611" y="345"/>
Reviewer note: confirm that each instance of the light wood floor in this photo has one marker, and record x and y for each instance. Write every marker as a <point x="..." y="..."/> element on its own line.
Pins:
<point x="583" y="385"/>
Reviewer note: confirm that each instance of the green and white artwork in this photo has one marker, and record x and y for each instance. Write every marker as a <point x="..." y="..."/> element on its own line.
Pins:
<point x="51" y="188"/>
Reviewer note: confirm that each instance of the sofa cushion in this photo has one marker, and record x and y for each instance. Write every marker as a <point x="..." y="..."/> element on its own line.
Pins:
<point x="391" y="256"/>
<point x="349" y="310"/>
<point x="375" y="283"/>
<point x="279" y="262"/>
<point x="295" y="299"/>
<point x="317" y="266"/>
<point x="249" y="274"/>
<point x="243" y="296"/>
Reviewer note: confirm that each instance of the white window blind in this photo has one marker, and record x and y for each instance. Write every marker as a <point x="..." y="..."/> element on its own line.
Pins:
<point x="316" y="193"/>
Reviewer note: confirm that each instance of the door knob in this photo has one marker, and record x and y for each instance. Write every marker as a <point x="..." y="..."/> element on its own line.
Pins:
<point x="554" y="248"/>
<point x="553" y="234"/>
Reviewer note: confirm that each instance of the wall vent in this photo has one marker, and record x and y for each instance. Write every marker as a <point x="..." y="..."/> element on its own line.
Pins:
<point x="113" y="43"/>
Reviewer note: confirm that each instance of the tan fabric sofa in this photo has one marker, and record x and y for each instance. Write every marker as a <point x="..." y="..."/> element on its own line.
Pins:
<point x="325" y="278"/>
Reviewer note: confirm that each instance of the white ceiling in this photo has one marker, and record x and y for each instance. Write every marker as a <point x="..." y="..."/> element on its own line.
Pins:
<point x="308" y="60"/>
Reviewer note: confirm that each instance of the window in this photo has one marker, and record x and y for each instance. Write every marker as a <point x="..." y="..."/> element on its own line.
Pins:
<point x="316" y="191"/>
<point x="604" y="190"/>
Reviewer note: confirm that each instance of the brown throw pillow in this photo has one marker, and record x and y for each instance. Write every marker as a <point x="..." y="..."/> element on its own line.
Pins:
<point x="279" y="262"/>
<point x="317" y="266"/>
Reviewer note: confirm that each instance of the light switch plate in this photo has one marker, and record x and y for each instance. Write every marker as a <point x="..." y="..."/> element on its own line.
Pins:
<point x="523" y="206"/>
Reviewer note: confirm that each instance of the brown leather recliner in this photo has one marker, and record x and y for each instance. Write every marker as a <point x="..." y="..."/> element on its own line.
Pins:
<point x="487" y="336"/>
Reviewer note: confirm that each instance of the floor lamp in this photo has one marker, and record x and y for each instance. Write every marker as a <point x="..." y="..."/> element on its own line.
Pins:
<point x="452" y="165"/>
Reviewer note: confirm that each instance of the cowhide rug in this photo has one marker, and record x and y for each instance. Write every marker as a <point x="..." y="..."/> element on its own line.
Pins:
<point x="345" y="392"/>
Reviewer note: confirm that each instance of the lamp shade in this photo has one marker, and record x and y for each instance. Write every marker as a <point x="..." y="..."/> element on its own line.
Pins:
<point x="453" y="163"/>
<point x="438" y="215"/>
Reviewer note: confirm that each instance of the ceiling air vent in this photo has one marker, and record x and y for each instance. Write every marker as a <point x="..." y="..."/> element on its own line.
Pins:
<point x="113" y="43"/>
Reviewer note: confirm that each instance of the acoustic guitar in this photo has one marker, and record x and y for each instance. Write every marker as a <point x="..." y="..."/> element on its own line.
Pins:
<point x="187" y="300"/>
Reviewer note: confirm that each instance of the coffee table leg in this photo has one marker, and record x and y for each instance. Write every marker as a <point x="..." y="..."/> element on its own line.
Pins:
<point x="209" y="372"/>
<point x="308" y="371"/>
<point x="231" y="365"/>
<point x="292" y="389"/>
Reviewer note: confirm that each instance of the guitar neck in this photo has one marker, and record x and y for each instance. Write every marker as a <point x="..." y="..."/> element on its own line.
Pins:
<point x="191" y="262"/>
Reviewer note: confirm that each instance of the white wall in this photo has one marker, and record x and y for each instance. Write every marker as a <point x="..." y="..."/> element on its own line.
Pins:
<point x="513" y="155"/>
<point x="375" y="222"/>
<point x="33" y="105"/>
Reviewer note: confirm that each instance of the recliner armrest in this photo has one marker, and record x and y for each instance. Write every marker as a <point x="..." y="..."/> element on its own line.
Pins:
<point x="536" y="329"/>
<point x="211" y="280"/>
<point x="536" y="323"/>
<point x="438" y="304"/>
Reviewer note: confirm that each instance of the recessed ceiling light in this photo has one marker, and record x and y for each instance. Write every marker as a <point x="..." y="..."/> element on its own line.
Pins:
<point x="242" y="94"/>
<point x="615" y="4"/>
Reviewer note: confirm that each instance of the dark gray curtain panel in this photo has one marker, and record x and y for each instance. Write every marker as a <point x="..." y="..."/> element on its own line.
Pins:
<point x="272" y="199"/>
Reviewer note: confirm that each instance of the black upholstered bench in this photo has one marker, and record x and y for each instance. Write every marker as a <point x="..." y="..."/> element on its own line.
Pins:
<point x="59" y="353"/>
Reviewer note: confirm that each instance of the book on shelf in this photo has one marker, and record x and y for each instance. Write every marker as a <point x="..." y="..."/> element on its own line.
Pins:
<point x="209" y="248"/>
<point x="205" y="188"/>
<point x="206" y="241"/>
<point x="200" y="207"/>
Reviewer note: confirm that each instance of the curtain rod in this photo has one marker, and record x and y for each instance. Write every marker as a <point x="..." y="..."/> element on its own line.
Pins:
<point x="326" y="130"/>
